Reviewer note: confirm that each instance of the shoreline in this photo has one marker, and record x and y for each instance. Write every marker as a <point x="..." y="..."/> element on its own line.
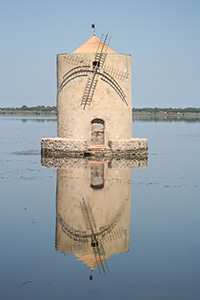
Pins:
<point x="136" y="115"/>
<point x="166" y="116"/>
<point x="27" y="113"/>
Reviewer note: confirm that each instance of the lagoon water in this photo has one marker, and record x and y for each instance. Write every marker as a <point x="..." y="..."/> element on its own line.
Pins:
<point x="146" y="245"/>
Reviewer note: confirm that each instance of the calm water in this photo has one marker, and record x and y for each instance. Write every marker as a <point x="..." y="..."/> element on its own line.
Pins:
<point x="147" y="220"/>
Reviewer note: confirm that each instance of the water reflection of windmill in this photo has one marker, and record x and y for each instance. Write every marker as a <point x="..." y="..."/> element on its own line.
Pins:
<point x="94" y="237"/>
<point x="93" y="71"/>
<point x="93" y="211"/>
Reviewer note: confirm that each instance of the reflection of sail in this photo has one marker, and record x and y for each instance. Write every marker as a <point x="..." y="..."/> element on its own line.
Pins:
<point x="96" y="243"/>
<point x="82" y="236"/>
<point x="93" y="223"/>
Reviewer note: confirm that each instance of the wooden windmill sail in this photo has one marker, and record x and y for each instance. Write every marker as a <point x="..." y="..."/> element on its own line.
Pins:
<point x="92" y="70"/>
<point x="98" y="63"/>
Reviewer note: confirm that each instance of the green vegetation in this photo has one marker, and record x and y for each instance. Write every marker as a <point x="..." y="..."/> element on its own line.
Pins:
<point x="189" y="112"/>
<point x="34" y="110"/>
<point x="157" y="110"/>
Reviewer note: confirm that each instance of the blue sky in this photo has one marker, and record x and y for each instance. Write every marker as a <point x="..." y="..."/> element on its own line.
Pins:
<point x="162" y="36"/>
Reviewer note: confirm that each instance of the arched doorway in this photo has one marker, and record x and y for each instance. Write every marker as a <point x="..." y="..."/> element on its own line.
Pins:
<point x="97" y="132"/>
<point x="97" y="176"/>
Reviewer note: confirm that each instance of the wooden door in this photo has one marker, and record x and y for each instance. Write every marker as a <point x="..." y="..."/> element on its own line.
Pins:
<point x="97" y="132"/>
<point x="97" y="176"/>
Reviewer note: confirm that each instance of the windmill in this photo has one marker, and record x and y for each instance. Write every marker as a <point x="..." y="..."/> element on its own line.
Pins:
<point x="94" y="237"/>
<point x="93" y="70"/>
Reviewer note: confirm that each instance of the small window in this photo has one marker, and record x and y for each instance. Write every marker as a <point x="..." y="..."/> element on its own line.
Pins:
<point x="96" y="63"/>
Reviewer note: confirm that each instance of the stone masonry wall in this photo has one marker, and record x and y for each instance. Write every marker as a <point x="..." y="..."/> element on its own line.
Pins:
<point x="82" y="163"/>
<point x="60" y="147"/>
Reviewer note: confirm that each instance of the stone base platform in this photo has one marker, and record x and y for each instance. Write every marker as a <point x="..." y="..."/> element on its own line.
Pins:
<point x="60" y="147"/>
<point x="83" y="163"/>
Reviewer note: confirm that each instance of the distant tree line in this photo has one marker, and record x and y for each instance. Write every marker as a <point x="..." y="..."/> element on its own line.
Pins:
<point x="156" y="110"/>
<point x="32" y="108"/>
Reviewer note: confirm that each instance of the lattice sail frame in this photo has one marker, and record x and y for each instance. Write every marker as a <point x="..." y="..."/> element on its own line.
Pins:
<point x="92" y="70"/>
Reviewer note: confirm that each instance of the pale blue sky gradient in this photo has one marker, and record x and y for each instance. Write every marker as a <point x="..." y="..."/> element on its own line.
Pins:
<point x="163" y="38"/>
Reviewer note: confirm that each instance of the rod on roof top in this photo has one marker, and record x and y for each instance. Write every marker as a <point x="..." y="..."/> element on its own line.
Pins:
<point x="93" y="26"/>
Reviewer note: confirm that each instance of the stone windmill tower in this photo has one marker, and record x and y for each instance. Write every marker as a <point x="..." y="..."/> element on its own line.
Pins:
<point x="93" y="203"/>
<point x="94" y="103"/>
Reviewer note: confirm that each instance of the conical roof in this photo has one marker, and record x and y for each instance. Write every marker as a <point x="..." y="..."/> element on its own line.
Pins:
<point x="90" y="260"/>
<point x="91" y="46"/>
